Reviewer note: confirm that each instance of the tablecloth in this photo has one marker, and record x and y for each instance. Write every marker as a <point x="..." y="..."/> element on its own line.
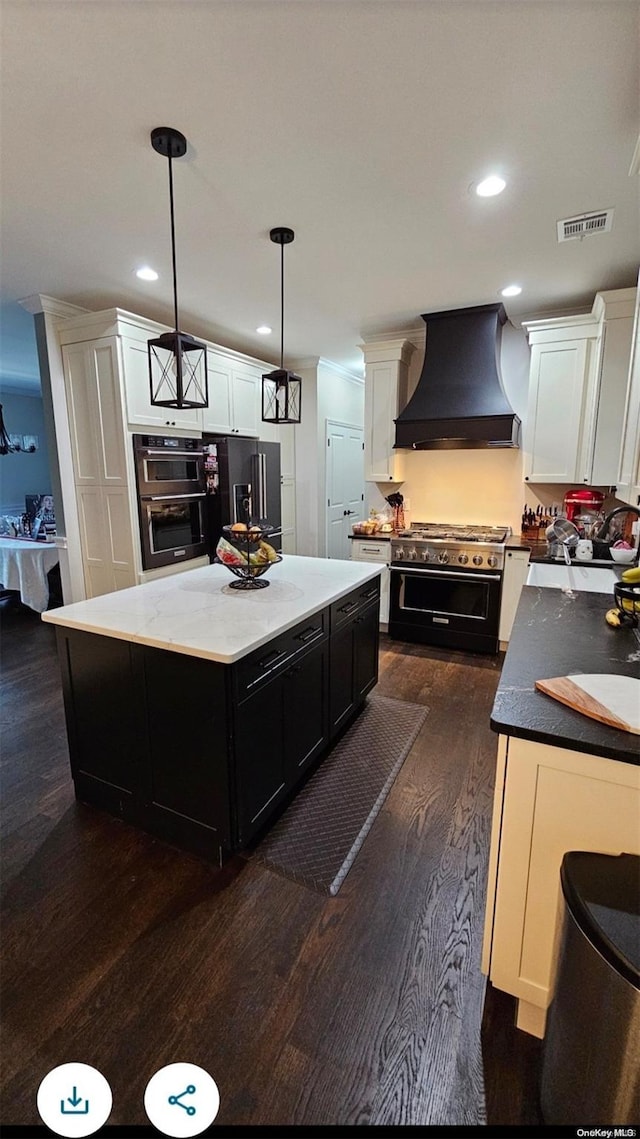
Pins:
<point x="24" y="566"/>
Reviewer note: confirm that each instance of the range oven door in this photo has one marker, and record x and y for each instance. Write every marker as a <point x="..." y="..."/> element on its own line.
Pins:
<point x="171" y="529"/>
<point x="454" y="608"/>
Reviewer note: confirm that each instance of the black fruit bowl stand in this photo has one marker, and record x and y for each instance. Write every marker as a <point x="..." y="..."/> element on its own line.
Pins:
<point x="247" y="542"/>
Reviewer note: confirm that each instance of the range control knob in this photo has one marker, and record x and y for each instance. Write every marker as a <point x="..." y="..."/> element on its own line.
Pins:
<point x="443" y="557"/>
<point x="412" y="554"/>
<point x="477" y="559"/>
<point x="425" y="555"/>
<point x="463" y="559"/>
<point x="398" y="553"/>
<point x="492" y="561"/>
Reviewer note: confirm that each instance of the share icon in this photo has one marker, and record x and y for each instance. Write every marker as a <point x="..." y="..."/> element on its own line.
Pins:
<point x="176" y="1100"/>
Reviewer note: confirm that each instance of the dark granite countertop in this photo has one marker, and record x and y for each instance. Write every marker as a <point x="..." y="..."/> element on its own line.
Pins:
<point x="561" y="633"/>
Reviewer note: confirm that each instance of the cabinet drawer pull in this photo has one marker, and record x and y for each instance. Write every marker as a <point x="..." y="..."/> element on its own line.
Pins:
<point x="271" y="658"/>
<point x="349" y="607"/>
<point x="307" y="634"/>
<point x="370" y="593"/>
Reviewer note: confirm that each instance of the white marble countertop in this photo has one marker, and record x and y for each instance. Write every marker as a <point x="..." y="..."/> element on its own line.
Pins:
<point x="196" y="612"/>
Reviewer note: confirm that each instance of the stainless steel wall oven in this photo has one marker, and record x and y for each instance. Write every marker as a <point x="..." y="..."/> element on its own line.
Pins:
<point x="446" y="586"/>
<point x="170" y="481"/>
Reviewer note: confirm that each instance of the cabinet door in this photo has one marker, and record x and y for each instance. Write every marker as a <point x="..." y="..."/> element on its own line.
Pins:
<point x="628" y="489"/>
<point x="92" y="381"/>
<point x="288" y="514"/>
<point x="557" y="390"/>
<point x="365" y="651"/>
<point x="554" y="801"/>
<point x="217" y="417"/>
<point x="245" y="392"/>
<point x="354" y="664"/>
<point x="106" y="534"/>
<point x="261" y="762"/>
<point x="140" y="412"/>
<point x="305" y="710"/>
<point x="382" y="463"/>
<point x="515" y="573"/>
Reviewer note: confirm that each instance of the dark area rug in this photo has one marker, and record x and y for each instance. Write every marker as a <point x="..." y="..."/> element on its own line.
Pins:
<point x="317" y="839"/>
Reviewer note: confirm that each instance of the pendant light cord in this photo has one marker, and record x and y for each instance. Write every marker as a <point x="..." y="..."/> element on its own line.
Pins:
<point x="282" y="307"/>
<point x="173" y="246"/>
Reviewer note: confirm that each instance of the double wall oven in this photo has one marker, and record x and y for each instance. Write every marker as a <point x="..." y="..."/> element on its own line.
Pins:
<point x="170" y="479"/>
<point x="446" y="585"/>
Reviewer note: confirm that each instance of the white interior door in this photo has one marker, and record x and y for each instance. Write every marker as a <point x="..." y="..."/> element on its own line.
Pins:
<point x="345" y="485"/>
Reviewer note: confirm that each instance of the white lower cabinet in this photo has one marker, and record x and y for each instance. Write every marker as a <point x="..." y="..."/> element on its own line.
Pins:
<point x="370" y="550"/>
<point x="547" y="801"/>
<point x="516" y="565"/>
<point x="108" y="559"/>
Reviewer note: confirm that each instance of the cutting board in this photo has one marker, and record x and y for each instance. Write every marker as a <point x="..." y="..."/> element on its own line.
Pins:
<point x="612" y="699"/>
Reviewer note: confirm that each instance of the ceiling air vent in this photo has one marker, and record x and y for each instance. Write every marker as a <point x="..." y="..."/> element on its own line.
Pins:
<point x="583" y="225"/>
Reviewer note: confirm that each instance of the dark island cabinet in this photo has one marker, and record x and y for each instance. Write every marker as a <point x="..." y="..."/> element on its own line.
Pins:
<point x="354" y="644"/>
<point x="279" y="731"/>
<point x="203" y="754"/>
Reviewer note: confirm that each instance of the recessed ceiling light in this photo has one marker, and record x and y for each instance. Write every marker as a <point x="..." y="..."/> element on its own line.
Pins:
<point x="146" y="274"/>
<point x="264" y="330"/>
<point x="490" y="186"/>
<point x="511" y="291"/>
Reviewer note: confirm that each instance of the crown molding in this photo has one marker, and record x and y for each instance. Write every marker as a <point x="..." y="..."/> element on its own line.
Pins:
<point x="40" y="302"/>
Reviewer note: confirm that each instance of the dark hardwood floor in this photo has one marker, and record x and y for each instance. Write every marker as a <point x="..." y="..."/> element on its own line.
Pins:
<point x="126" y="954"/>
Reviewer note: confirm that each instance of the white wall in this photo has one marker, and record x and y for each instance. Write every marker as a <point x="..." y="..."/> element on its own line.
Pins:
<point x="328" y="392"/>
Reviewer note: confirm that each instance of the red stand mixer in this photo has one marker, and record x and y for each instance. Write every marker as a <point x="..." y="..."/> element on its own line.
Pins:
<point x="583" y="507"/>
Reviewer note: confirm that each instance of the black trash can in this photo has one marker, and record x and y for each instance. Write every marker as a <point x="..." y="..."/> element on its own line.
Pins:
<point x="591" y="1051"/>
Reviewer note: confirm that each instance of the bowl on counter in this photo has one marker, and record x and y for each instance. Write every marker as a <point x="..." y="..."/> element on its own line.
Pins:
<point x="622" y="555"/>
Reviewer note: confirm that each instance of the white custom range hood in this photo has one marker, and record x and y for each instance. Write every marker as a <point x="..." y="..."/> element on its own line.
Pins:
<point x="460" y="400"/>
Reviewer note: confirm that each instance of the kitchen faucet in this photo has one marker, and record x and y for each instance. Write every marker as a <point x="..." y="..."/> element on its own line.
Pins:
<point x="604" y="529"/>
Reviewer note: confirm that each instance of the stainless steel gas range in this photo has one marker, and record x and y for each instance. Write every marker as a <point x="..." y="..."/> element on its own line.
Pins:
<point x="446" y="584"/>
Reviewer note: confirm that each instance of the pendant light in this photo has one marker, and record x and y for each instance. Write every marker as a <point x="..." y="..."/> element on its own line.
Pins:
<point x="7" y="445"/>
<point x="177" y="362"/>
<point x="281" y="390"/>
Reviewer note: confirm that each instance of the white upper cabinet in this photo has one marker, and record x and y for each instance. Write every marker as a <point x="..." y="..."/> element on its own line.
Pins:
<point x="245" y="392"/>
<point x="561" y="403"/>
<point x="386" y="365"/>
<point x="140" y="411"/>
<point x="234" y="396"/>
<point x="628" y="482"/>
<point x="577" y="385"/>
<point x="217" y="418"/>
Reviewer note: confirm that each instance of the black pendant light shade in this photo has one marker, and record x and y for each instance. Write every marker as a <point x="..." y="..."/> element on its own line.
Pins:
<point x="281" y="389"/>
<point x="177" y="362"/>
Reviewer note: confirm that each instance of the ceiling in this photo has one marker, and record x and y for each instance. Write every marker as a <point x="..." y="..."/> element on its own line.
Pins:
<point x="362" y="124"/>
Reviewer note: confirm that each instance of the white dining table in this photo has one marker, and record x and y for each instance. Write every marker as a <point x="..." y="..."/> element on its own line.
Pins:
<point x="24" y="566"/>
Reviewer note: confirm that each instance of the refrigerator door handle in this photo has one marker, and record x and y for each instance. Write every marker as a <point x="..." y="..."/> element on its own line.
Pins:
<point x="260" y="485"/>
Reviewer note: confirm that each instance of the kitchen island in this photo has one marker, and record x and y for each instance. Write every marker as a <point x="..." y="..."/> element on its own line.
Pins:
<point x="194" y="710"/>
<point x="563" y="782"/>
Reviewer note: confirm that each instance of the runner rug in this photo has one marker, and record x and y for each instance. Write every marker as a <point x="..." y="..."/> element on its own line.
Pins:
<point x="318" y="837"/>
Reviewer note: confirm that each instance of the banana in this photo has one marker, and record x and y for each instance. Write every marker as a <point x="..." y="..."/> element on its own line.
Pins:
<point x="612" y="617"/>
<point x="631" y="575"/>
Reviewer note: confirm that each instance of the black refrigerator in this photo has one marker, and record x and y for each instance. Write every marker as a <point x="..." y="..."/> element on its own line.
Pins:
<point x="243" y="485"/>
